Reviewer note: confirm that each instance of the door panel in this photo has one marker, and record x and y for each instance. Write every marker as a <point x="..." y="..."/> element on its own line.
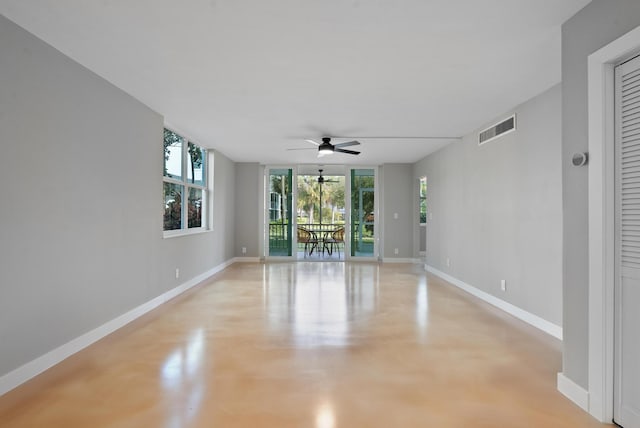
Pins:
<point x="627" y="285"/>
<point x="363" y="207"/>
<point x="280" y="219"/>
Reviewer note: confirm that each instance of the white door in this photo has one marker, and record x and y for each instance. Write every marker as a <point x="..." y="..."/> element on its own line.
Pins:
<point x="627" y="287"/>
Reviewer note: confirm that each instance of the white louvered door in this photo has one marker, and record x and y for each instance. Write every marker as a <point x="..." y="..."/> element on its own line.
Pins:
<point x="627" y="287"/>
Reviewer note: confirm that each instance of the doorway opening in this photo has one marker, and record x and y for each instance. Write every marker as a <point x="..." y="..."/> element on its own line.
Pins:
<point x="320" y="213"/>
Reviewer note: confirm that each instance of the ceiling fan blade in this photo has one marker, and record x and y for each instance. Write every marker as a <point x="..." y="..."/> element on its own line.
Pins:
<point x="312" y="142"/>
<point x="351" y="152"/>
<point x="347" y="144"/>
<point x="305" y="148"/>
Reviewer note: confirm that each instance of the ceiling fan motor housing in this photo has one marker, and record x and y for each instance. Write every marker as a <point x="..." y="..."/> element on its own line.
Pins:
<point x="326" y="146"/>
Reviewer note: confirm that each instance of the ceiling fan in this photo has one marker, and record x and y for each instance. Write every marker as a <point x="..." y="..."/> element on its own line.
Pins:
<point x="322" y="180"/>
<point x="326" y="148"/>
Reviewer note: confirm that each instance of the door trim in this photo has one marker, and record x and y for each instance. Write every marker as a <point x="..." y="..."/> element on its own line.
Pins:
<point x="601" y="219"/>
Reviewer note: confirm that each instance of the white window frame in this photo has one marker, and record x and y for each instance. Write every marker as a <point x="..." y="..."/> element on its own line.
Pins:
<point x="206" y="188"/>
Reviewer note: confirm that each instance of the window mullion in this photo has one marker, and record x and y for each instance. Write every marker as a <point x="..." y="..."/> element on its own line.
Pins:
<point x="185" y="190"/>
<point x="172" y="180"/>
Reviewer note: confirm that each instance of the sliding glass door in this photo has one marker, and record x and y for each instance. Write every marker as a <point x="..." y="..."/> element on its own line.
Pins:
<point x="363" y="236"/>
<point x="301" y="201"/>
<point x="279" y="212"/>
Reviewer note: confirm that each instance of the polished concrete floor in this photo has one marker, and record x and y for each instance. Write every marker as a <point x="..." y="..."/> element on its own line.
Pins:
<point x="316" y="345"/>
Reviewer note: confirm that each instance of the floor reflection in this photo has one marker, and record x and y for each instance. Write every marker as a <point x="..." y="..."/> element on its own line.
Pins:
<point x="422" y="309"/>
<point x="325" y="417"/>
<point x="183" y="381"/>
<point x="318" y="302"/>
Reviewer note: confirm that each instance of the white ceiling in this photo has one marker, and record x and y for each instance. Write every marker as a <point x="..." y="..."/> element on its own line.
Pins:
<point x="252" y="78"/>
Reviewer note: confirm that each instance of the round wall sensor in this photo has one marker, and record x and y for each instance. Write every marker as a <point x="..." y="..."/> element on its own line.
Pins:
<point x="580" y="159"/>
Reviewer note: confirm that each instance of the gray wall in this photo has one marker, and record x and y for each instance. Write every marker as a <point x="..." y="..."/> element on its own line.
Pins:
<point x="595" y="26"/>
<point x="497" y="209"/>
<point x="422" y="239"/>
<point x="81" y="217"/>
<point x="397" y="196"/>
<point x="247" y="209"/>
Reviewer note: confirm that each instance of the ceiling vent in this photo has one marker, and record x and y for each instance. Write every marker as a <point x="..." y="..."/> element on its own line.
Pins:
<point x="497" y="130"/>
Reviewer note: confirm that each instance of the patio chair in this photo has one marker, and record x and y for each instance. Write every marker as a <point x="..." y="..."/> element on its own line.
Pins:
<point x="309" y="239"/>
<point x="336" y="238"/>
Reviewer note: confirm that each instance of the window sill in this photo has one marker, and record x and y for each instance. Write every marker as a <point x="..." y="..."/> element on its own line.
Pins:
<point x="178" y="233"/>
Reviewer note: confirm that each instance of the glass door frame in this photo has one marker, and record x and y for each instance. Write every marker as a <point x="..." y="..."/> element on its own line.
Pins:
<point x="293" y="212"/>
<point x="349" y="219"/>
<point x="294" y="218"/>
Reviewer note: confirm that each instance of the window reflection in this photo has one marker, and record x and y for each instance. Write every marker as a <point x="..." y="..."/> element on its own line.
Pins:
<point x="422" y="309"/>
<point x="172" y="206"/>
<point x="194" y="208"/>
<point x="318" y="302"/>
<point x="325" y="417"/>
<point x="183" y="381"/>
<point x="320" y="309"/>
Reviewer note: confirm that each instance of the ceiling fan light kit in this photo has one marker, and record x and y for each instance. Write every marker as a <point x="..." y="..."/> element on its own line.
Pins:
<point x="325" y="148"/>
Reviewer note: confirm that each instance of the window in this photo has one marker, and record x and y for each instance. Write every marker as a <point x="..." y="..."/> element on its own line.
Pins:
<point x="423" y="200"/>
<point x="185" y="179"/>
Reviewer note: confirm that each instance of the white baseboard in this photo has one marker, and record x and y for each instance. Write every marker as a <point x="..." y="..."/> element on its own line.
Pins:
<point x="246" y="260"/>
<point x="529" y="318"/>
<point x="400" y="260"/>
<point x="573" y="392"/>
<point x="33" y="368"/>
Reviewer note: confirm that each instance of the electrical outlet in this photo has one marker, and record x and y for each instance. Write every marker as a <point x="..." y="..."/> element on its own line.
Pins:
<point x="395" y="216"/>
<point x="448" y="262"/>
<point x="177" y="273"/>
<point x="395" y="251"/>
<point x="244" y="250"/>
<point x="430" y="216"/>
<point x="503" y="284"/>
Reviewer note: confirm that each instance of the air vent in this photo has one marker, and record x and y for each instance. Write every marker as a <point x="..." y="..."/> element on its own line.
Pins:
<point x="497" y="130"/>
